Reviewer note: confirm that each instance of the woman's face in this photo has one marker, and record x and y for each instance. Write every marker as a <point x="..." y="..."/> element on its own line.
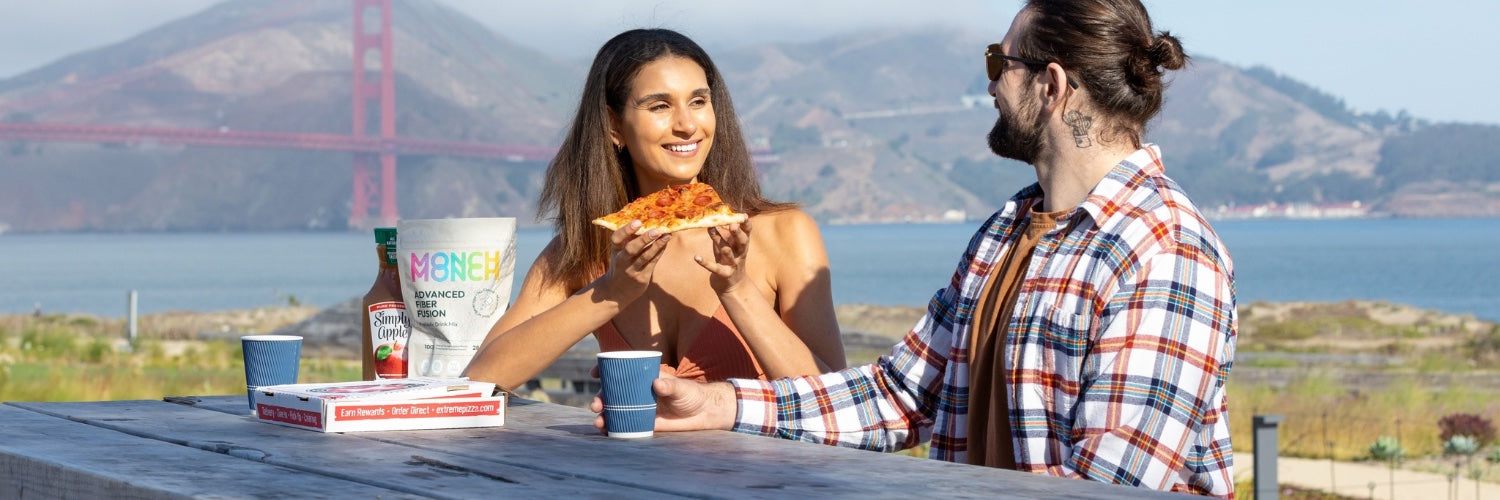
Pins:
<point x="667" y="124"/>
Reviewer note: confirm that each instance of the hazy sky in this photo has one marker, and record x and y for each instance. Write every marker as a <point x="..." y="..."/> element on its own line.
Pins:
<point x="1433" y="58"/>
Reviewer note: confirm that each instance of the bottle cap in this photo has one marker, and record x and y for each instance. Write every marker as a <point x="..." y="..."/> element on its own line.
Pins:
<point x="387" y="236"/>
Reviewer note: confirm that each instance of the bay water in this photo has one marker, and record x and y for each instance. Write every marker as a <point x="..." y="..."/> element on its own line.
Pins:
<point x="1445" y="264"/>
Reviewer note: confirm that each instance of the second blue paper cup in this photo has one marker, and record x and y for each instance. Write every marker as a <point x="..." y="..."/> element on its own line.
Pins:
<point x="629" y="402"/>
<point x="270" y="360"/>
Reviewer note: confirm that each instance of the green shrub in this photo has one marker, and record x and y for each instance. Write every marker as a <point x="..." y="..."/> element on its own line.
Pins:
<point x="1285" y="331"/>
<point x="99" y="350"/>
<point x="1386" y="448"/>
<point x="1484" y="348"/>
<point x="1439" y="362"/>
<point x="47" y="342"/>
<point x="151" y="351"/>
<point x="1397" y="348"/>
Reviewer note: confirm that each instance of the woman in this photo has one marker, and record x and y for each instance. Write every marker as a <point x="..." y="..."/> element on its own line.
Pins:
<point x="718" y="303"/>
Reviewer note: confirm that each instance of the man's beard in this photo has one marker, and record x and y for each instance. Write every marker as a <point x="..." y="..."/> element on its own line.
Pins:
<point x="1018" y="135"/>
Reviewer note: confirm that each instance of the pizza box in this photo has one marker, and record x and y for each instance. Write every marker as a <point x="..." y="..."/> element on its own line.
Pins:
<point x="382" y="405"/>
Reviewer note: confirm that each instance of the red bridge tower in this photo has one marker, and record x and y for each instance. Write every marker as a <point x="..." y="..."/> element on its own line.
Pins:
<point x="368" y="45"/>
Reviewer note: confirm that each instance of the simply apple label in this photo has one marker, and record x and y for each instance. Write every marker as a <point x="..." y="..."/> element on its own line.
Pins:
<point x="390" y="329"/>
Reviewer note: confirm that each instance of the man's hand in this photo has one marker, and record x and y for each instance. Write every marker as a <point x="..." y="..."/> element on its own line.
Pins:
<point x="686" y="405"/>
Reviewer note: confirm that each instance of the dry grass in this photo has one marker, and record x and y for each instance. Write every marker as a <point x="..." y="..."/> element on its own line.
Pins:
<point x="85" y="358"/>
<point x="174" y="325"/>
<point x="1357" y="327"/>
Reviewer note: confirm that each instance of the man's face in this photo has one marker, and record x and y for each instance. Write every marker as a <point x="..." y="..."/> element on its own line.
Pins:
<point x="1018" y="132"/>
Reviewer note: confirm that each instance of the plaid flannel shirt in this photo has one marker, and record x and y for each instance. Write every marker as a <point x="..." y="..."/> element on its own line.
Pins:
<point x="1117" y="351"/>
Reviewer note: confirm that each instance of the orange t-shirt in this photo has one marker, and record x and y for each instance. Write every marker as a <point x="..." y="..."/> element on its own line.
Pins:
<point x="991" y="440"/>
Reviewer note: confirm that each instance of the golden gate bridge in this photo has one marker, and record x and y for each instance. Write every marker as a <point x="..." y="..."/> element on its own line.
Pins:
<point x="372" y="87"/>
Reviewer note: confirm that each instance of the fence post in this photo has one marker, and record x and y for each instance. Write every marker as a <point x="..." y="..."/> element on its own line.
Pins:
<point x="1264" y="437"/>
<point x="1333" y="483"/>
<point x="130" y="317"/>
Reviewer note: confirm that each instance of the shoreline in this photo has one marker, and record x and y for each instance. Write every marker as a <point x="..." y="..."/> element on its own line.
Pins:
<point x="1300" y="213"/>
<point x="889" y="321"/>
<point x="1346" y="336"/>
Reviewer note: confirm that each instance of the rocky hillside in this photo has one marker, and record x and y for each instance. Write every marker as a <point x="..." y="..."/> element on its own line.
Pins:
<point x="867" y="127"/>
<point x="277" y="66"/>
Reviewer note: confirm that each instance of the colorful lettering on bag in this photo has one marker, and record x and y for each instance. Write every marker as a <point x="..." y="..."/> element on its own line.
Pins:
<point x="443" y="267"/>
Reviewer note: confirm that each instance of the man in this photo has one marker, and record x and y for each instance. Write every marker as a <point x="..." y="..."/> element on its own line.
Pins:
<point x="1089" y="328"/>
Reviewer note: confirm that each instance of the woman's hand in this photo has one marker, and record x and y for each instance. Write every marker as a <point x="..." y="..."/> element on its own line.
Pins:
<point x="632" y="259"/>
<point x="731" y="244"/>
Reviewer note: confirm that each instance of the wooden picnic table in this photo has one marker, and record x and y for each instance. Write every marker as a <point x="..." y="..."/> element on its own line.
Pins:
<point x="211" y="447"/>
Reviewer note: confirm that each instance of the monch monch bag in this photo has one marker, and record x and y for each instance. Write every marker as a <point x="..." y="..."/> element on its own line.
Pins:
<point x="456" y="277"/>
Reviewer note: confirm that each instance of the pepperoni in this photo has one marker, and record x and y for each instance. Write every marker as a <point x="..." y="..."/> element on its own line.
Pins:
<point x="703" y="200"/>
<point x="655" y="214"/>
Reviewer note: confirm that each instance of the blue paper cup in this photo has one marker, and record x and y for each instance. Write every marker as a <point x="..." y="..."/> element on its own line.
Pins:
<point x="629" y="403"/>
<point x="269" y="360"/>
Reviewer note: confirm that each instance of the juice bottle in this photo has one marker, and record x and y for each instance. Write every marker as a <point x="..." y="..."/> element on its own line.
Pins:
<point x="386" y="327"/>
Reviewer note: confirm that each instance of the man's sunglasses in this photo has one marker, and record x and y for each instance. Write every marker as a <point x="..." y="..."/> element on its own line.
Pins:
<point x="994" y="62"/>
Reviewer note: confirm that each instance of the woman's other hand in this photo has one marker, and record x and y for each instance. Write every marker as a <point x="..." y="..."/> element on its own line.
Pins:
<point x="731" y="243"/>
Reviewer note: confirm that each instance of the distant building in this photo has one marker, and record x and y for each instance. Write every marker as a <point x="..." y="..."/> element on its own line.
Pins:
<point x="1348" y="210"/>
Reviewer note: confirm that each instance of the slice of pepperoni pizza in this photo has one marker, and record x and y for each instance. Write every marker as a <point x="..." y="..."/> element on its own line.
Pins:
<point x="674" y="208"/>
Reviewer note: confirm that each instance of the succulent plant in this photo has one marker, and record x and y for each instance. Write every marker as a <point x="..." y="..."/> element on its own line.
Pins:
<point x="1461" y="445"/>
<point x="1386" y="448"/>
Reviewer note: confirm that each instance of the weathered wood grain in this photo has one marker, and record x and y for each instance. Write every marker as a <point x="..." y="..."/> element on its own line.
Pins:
<point x="43" y="456"/>
<point x="385" y="464"/>
<point x="562" y="440"/>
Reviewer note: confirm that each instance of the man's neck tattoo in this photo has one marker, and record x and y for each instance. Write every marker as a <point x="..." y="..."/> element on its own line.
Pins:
<point x="1080" y="124"/>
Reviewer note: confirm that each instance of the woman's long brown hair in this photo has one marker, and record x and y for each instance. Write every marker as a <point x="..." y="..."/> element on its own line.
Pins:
<point x="588" y="178"/>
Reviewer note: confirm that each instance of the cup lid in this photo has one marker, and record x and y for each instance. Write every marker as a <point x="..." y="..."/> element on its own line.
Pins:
<point x="630" y="354"/>
<point x="270" y="337"/>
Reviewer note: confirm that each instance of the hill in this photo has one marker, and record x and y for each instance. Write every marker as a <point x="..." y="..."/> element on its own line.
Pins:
<point x="867" y="127"/>
<point x="276" y="66"/>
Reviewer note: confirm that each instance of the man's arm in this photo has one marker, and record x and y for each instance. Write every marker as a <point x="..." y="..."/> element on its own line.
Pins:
<point x="1153" y="386"/>
<point x="889" y="405"/>
<point x="885" y="406"/>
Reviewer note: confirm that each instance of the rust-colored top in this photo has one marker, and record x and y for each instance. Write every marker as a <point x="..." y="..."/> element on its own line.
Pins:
<point x="718" y="352"/>
<point x="991" y="439"/>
